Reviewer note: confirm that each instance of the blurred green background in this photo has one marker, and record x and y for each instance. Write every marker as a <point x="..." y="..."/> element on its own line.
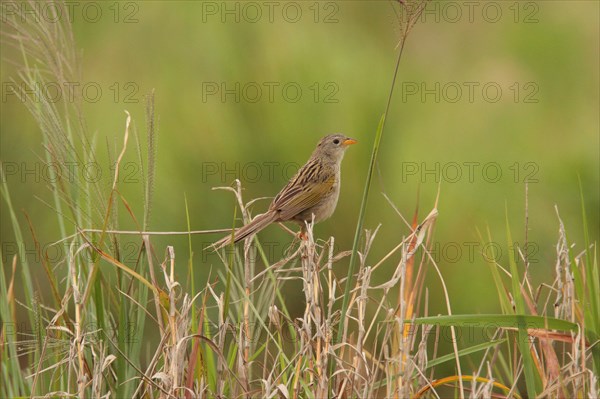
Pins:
<point x="488" y="95"/>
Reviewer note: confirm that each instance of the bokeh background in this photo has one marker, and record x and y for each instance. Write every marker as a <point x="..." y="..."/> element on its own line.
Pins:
<point x="489" y="95"/>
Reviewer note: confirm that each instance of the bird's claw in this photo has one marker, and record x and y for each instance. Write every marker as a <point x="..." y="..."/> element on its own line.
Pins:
<point x="303" y="235"/>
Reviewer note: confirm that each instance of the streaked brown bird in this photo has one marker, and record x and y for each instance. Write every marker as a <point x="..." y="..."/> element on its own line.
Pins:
<point x="312" y="193"/>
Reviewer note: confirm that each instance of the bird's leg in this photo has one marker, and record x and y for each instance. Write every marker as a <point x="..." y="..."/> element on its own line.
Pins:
<point x="303" y="237"/>
<point x="302" y="234"/>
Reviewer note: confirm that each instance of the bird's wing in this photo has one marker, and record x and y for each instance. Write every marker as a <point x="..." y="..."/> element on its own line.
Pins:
<point x="298" y="195"/>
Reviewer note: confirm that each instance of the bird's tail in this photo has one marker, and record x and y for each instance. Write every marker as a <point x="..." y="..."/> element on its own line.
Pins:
<point x="256" y="225"/>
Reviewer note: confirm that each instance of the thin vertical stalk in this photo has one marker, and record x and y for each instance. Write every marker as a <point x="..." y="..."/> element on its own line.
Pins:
<point x="365" y="197"/>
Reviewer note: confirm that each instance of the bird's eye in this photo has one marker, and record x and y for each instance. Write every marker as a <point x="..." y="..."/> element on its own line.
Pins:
<point x="336" y="141"/>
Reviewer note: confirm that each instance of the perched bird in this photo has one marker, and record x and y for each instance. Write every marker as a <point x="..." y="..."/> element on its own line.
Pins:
<point x="312" y="193"/>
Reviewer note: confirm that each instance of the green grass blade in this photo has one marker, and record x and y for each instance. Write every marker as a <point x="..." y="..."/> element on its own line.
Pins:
<point x="367" y="189"/>
<point x="590" y="292"/>
<point x="490" y="259"/>
<point x="450" y="357"/>
<point x="20" y="243"/>
<point x="523" y="339"/>
<point x="361" y="219"/>
<point x="13" y="383"/>
<point x="498" y="320"/>
<point x="190" y="260"/>
<point x="591" y="271"/>
<point x="463" y="352"/>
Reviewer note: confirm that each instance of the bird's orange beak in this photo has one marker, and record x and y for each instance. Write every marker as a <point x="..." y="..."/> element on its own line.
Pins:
<point x="349" y="141"/>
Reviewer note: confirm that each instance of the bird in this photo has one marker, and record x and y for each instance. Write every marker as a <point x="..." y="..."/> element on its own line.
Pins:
<point x="311" y="195"/>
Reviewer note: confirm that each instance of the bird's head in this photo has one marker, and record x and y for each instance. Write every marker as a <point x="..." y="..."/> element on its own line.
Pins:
<point x="333" y="146"/>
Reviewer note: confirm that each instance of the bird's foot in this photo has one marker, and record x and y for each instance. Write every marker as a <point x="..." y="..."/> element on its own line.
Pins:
<point x="303" y="235"/>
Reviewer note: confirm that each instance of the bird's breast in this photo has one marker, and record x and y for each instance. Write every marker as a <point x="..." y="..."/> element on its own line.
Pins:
<point x="327" y="204"/>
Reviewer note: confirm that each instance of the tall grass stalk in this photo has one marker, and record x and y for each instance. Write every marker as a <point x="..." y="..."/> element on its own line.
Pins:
<point x="408" y="15"/>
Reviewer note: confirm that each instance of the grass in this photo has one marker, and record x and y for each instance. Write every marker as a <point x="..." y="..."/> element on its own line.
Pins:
<point x="235" y="336"/>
